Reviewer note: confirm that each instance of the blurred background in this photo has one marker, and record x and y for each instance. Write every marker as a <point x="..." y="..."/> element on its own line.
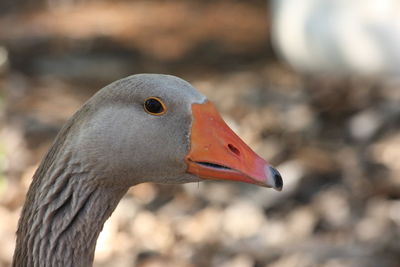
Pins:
<point x="313" y="86"/>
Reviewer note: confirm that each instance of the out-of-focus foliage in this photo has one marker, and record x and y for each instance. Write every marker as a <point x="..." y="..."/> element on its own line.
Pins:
<point x="335" y="141"/>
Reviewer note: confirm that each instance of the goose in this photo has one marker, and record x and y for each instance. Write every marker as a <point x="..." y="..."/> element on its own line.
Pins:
<point x="143" y="128"/>
<point x="358" y="37"/>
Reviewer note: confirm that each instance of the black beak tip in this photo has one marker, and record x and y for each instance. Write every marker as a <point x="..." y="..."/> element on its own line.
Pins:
<point x="277" y="178"/>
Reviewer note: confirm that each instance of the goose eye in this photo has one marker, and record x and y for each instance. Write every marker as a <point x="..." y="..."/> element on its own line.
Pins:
<point x="154" y="106"/>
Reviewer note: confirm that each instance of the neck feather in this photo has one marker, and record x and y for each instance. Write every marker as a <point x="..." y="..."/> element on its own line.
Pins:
<point x="63" y="214"/>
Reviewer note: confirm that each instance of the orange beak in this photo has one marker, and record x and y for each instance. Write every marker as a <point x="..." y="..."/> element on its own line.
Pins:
<point x="216" y="152"/>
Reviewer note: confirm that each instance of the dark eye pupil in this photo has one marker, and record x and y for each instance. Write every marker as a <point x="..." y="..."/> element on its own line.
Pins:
<point x="153" y="106"/>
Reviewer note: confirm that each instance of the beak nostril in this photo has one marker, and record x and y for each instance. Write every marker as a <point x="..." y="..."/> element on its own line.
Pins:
<point x="234" y="149"/>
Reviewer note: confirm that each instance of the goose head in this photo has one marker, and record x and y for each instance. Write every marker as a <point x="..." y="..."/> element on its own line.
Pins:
<point x="144" y="128"/>
<point x="158" y="128"/>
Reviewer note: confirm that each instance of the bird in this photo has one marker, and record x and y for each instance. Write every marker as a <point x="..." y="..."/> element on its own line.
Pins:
<point x="143" y="128"/>
<point x="359" y="37"/>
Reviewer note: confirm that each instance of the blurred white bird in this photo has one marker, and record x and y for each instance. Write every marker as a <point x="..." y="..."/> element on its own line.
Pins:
<point x="340" y="36"/>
